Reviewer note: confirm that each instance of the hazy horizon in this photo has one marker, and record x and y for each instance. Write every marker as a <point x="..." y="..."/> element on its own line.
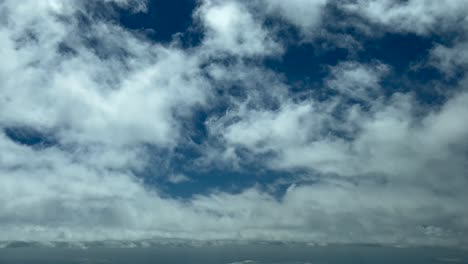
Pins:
<point x="234" y="253"/>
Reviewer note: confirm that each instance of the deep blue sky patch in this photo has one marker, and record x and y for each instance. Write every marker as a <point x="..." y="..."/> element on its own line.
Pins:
<point x="162" y="20"/>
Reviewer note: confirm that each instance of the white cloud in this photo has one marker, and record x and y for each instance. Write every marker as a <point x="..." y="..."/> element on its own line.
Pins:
<point x="56" y="199"/>
<point x="334" y="137"/>
<point x="356" y="80"/>
<point x="450" y="60"/>
<point x="135" y="5"/>
<point x="88" y="99"/>
<point x="305" y="14"/>
<point x="422" y="17"/>
<point x="178" y="178"/>
<point x="414" y="153"/>
<point x="233" y="29"/>
<point x="418" y="16"/>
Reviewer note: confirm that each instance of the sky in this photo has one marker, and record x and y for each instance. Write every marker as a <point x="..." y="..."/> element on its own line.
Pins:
<point x="322" y="121"/>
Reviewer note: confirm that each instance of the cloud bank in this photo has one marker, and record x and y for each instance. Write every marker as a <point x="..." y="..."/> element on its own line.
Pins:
<point x="91" y="111"/>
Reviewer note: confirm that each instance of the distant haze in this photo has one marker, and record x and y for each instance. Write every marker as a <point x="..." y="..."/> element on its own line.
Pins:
<point x="230" y="254"/>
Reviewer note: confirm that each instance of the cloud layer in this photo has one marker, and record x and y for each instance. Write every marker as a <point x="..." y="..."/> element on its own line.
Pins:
<point x="90" y="112"/>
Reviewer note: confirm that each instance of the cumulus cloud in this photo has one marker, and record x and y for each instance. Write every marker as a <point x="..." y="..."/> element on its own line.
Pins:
<point x="420" y="17"/>
<point x="89" y="95"/>
<point x="101" y="101"/>
<point x="304" y="14"/>
<point x="232" y="28"/>
<point x="385" y="140"/>
<point x="356" y="80"/>
<point x="416" y="16"/>
<point x="382" y="136"/>
<point x="450" y="59"/>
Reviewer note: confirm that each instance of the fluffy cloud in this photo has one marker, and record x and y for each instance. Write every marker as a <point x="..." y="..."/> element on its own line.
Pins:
<point x="304" y="14"/>
<point x="239" y="26"/>
<point x="381" y="135"/>
<point x="399" y="147"/>
<point x="418" y="16"/>
<point x="232" y="28"/>
<point x="87" y="93"/>
<point x="356" y="80"/>
<point x="450" y="60"/>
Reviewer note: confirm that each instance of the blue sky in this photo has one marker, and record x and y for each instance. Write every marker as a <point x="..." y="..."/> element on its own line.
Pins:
<point x="306" y="120"/>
